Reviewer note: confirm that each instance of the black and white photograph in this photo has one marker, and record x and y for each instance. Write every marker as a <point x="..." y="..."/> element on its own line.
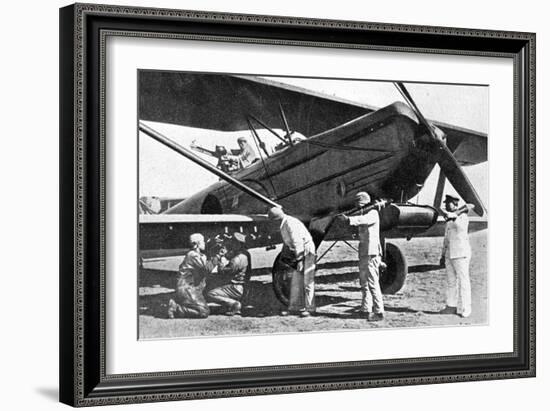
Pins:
<point x="273" y="205"/>
<point x="268" y="206"/>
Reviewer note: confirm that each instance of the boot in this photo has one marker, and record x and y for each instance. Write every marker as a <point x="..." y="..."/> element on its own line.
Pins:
<point x="234" y="310"/>
<point x="172" y="308"/>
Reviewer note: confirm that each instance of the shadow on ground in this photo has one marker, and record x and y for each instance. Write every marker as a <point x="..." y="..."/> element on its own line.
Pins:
<point x="342" y="277"/>
<point x="423" y="268"/>
<point x="260" y="300"/>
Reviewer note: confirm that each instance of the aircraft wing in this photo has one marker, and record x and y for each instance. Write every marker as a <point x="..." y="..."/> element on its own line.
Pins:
<point x="468" y="147"/>
<point x="162" y="235"/>
<point x="225" y="102"/>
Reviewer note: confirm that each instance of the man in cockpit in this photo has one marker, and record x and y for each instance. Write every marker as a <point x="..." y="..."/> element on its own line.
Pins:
<point x="247" y="155"/>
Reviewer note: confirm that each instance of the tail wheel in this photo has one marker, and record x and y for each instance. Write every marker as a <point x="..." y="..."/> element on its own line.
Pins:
<point x="392" y="277"/>
<point x="281" y="274"/>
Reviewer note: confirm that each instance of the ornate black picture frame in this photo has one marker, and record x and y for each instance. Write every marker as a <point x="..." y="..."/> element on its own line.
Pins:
<point x="83" y="30"/>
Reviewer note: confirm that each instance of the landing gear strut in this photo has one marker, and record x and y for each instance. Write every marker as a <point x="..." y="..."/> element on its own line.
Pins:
<point x="392" y="277"/>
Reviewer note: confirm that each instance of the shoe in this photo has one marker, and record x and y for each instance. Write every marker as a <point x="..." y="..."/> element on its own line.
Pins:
<point x="448" y="310"/>
<point x="361" y="309"/>
<point x="375" y="317"/>
<point x="235" y="309"/>
<point x="465" y="314"/>
<point x="172" y="308"/>
<point x="285" y="313"/>
<point x="305" y="314"/>
<point x="363" y="312"/>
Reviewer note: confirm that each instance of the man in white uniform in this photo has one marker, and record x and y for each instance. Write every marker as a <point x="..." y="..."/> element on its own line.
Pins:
<point x="370" y="258"/>
<point x="298" y="247"/>
<point x="248" y="155"/>
<point x="456" y="255"/>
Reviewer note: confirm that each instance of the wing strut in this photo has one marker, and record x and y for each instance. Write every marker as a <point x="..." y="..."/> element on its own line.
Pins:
<point x="287" y="128"/>
<point x="260" y="143"/>
<point x="261" y="123"/>
<point x="205" y="164"/>
<point x="257" y="140"/>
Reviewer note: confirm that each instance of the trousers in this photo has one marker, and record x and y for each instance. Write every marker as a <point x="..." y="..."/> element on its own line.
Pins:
<point x="190" y="299"/>
<point x="227" y="295"/>
<point x="302" y="286"/>
<point x="369" y="280"/>
<point x="459" y="292"/>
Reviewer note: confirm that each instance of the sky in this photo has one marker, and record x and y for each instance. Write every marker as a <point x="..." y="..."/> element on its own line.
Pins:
<point x="164" y="173"/>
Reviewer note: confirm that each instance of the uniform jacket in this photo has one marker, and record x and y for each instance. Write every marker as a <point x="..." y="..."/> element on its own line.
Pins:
<point x="247" y="156"/>
<point x="456" y="243"/>
<point x="369" y="232"/>
<point x="296" y="237"/>
<point x="238" y="268"/>
<point x="194" y="268"/>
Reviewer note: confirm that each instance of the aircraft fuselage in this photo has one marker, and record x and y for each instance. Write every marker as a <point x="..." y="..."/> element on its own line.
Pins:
<point x="376" y="153"/>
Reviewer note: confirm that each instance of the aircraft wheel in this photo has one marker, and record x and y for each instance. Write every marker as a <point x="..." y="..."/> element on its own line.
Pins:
<point x="281" y="280"/>
<point x="392" y="278"/>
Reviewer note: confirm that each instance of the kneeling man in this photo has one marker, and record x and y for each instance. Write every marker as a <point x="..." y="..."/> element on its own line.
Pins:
<point x="238" y="270"/>
<point x="189" y="301"/>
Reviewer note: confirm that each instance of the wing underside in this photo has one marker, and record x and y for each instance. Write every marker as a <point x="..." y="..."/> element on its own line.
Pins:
<point x="168" y="234"/>
<point x="172" y="231"/>
<point x="226" y="103"/>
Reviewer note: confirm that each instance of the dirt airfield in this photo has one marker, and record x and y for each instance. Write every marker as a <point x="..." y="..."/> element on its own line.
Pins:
<point x="337" y="295"/>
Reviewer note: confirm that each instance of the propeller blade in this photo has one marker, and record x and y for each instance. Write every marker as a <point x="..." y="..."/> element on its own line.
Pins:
<point x="456" y="176"/>
<point x="448" y="163"/>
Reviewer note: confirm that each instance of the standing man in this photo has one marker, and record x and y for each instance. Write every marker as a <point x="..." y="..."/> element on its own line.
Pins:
<point x="455" y="255"/>
<point x="189" y="301"/>
<point x="238" y="270"/>
<point x="298" y="247"/>
<point x="370" y="258"/>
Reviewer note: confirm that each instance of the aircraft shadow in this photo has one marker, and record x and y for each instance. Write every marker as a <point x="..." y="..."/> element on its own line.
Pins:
<point x="260" y="299"/>
<point x="337" y="264"/>
<point x="419" y="268"/>
<point x="400" y="309"/>
<point x="350" y="288"/>
<point x="337" y="278"/>
<point x="422" y="268"/>
<point x="353" y="312"/>
<point x="260" y="302"/>
<point x="157" y="278"/>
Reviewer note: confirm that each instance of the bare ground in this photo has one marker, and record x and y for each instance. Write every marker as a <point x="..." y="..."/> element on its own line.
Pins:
<point x="337" y="295"/>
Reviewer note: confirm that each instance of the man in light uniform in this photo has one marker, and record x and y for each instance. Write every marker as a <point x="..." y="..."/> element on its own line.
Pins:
<point x="370" y="258"/>
<point x="298" y="247"/>
<point x="247" y="155"/>
<point x="189" y="301"/>
<point x="456" y="254"/>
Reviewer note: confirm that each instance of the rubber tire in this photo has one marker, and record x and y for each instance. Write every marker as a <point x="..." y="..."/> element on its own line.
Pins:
<point x="393" y="277"/>
<point x="281" y="282"/>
